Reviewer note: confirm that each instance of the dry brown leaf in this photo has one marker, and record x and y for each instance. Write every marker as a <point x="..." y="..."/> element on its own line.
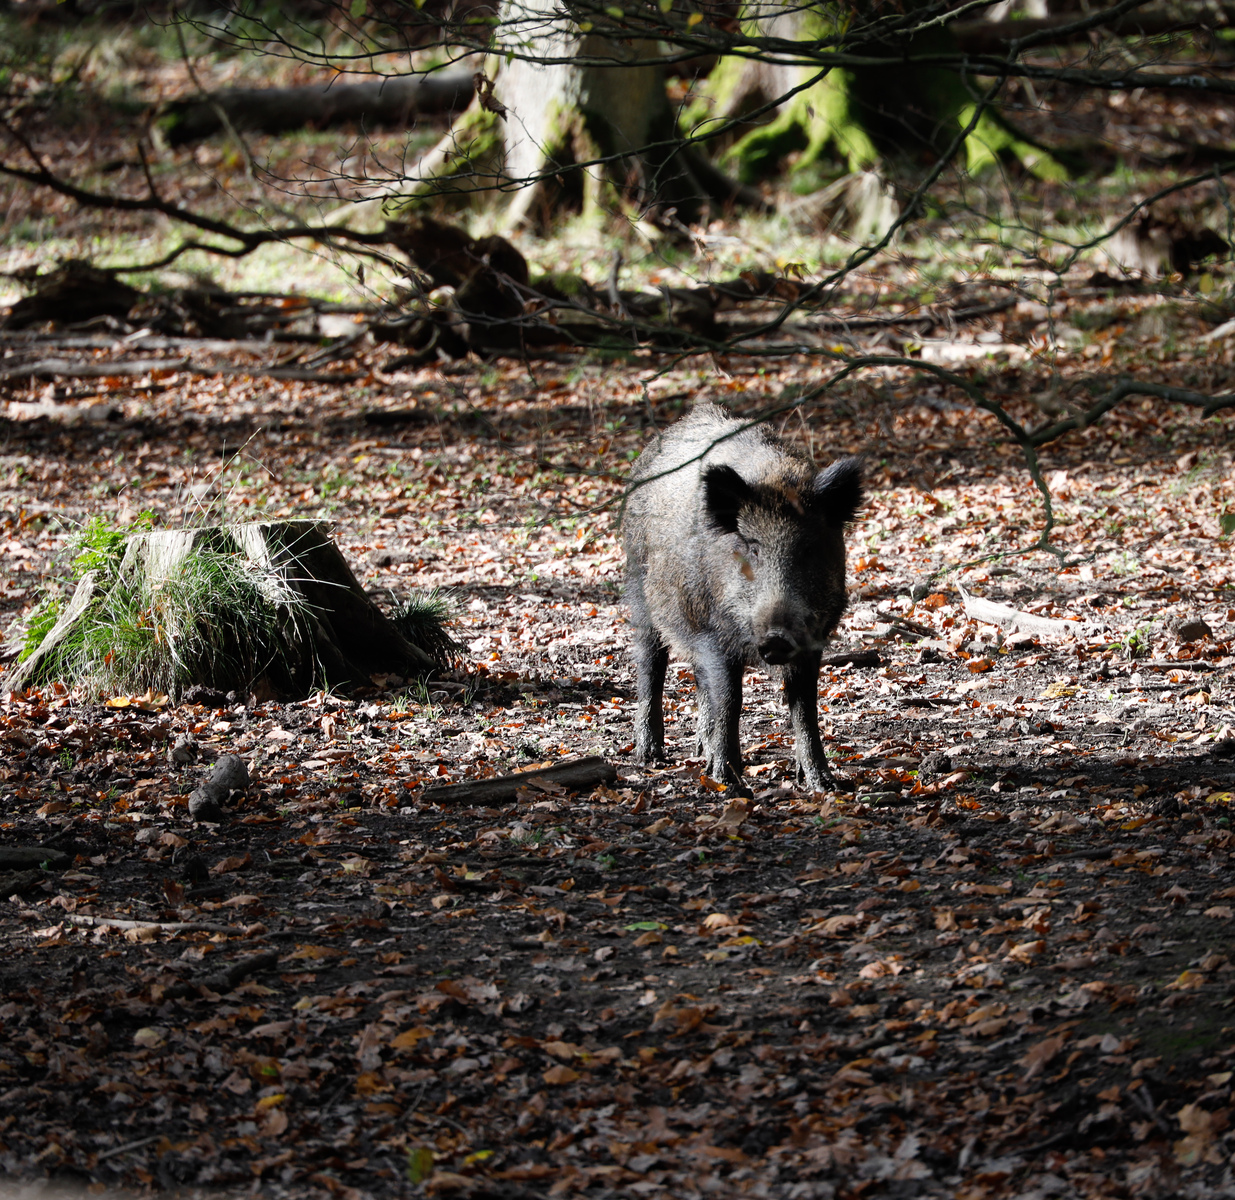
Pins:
<point x="1042" y="1054"/>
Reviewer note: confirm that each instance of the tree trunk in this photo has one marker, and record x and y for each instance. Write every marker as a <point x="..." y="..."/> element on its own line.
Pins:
<point x="866" y="115"/>
<point x="276" y="110"/>
<point x="569" y="118"/>
<point x="607" y="103"/>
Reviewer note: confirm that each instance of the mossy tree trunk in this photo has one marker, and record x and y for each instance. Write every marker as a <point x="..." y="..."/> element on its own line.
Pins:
<point x="573" y="120"/>
<point x="865" y="115"/>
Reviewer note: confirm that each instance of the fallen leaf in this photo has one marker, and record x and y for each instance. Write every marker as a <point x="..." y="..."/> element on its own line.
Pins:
<point x="1186" y="981"/>
<point x="1042" y="1054"/>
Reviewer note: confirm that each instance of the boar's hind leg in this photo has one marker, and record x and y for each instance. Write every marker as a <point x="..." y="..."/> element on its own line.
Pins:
<point x="802" y="696"/>
<point x="651" y="661"/>
<point x="718" y="683"/>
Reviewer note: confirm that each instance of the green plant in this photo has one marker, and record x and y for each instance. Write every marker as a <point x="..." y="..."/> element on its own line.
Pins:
<point x="1137" y="643"/>
<point x="428" y="709"/>
<point x="535" y="837"/>
<point x="40" y="623"/>
<point x="100" y="546"/>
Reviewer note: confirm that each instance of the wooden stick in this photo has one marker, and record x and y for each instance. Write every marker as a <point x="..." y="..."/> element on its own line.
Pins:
<point x="1015" y="620"/>
<point x="852" y="658"/>
<point x="63" y="368"/>
<point x="573" y="775"/>
<point x="228" y="978"/>
<point x="125" y="923"/>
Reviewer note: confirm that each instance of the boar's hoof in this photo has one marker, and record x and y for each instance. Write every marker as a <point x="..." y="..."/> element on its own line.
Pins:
<point x="822" y="780"/>
<point x="734" y="782"/>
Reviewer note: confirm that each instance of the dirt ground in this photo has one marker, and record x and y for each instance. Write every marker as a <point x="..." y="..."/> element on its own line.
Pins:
<point x="998" y="968"/>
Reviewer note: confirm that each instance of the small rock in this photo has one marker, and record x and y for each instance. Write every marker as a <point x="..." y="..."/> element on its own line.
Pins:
<point x="204" y="808"/>
<point x="229" y="773"/>
<point x="934" y="764"/>
<point x="1224" y="748"/>
<point x="1192" y="629"/>
<point x="228" y="776"/>
<point x="205" y="696"/>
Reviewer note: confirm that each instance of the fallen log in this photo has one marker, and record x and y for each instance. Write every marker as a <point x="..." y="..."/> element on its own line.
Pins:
<point x="22" y="858"/>
<point x="65" y="368"/>
<point x="74" y="291"/>
<point x="573" y="775"/>
<point x="392" y="101"/>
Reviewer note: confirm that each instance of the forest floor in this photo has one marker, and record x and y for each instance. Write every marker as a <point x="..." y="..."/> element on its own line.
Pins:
<point x="1000" y="966"/>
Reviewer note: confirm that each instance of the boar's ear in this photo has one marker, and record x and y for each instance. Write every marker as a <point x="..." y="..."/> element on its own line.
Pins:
<point x="724" y="494"/>
<point x="838" y="492"/>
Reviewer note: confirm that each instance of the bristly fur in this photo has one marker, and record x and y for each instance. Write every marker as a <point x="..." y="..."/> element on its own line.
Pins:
<point x="735" y="557"/>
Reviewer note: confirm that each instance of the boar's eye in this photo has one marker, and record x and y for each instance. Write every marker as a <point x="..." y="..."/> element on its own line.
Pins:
<point x="752" y="551"/>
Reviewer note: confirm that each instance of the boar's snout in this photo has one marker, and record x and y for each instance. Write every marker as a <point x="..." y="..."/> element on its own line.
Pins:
<point x="778" y="646"/>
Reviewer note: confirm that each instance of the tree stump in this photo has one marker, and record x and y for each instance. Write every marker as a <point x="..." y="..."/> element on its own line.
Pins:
<point x="328" y="632"/>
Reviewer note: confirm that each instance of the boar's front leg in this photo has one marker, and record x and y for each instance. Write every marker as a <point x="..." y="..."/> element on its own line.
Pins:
<point x="802" y="696"/>
<point x="651" y="662"/>
<point x="701" y="720"/>
<point x="718" y="681"/>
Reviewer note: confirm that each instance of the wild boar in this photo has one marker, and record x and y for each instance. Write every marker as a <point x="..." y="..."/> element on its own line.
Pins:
<point x="735" y="557"/>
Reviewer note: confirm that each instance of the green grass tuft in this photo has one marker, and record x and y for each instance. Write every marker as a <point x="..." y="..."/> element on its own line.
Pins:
<point x="422" y="620"/>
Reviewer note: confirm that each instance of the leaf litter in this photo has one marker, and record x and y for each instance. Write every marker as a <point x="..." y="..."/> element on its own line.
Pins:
<point x="999" y="967"/>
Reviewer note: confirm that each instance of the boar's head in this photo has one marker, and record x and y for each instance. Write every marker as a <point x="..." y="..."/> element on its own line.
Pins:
<point x="782" y="553"/>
